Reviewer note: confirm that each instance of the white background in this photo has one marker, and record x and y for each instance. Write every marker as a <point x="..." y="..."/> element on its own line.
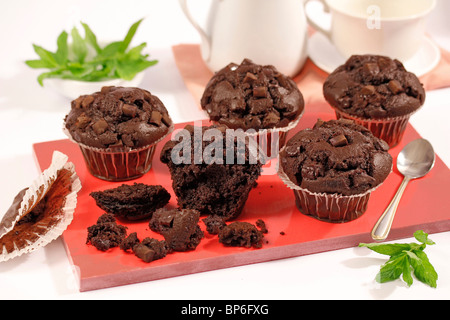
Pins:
<point x="30" y="114"/>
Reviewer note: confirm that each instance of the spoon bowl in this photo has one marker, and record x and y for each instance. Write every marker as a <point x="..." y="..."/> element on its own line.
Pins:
<point x="414" y="161"/>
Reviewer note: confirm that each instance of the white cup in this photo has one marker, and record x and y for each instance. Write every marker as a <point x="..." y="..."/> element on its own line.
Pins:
<point x="266" y="31"/>
<point x="394" y="28"/>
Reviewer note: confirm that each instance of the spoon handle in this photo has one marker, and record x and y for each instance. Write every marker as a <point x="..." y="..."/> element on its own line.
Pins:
<point x="381" y="229"/>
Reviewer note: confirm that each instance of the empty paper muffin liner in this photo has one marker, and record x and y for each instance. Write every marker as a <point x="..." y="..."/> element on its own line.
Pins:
<point x="327" y="207"/>
<point x="54" y="192"/>
<point x="118" y="164"/>
<point x="390" y="130"/>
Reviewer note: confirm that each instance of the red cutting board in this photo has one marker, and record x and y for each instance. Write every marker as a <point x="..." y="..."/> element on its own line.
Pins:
<point x="425" y="205"/>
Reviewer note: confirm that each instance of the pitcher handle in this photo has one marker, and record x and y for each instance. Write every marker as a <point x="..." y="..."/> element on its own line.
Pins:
<point x="205" y="39"/>
<point x="313" y="23"/>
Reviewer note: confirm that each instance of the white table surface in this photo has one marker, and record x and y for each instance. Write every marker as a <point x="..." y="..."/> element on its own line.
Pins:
<point x="30" y="114"/>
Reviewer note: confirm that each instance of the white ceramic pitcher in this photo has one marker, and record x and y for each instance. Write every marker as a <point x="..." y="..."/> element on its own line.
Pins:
<point x="265" y="31"/>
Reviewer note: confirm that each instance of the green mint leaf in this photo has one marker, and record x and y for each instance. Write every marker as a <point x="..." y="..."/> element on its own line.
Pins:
<point x="128" y="69"/>
<point x="386" y="248"/>
<point x="404" y="258"/>
<point x="135" y="53"/>
<point x="90" y="37"/>
<point x="46" y="75"/>
<point x="392" y="269"/>
<point x="110" y="50"/>
<point x="77" y="63"/>
<point x="406" y="276"/>
<point x="62" y="52"/>
<point x="45" y="56"/>
<point x="422" y="237"/>
<point x="79" y="46"/>
<point x="423" y="269"/>
<point x="39" y="64"/>
<point x="130" y="34"/>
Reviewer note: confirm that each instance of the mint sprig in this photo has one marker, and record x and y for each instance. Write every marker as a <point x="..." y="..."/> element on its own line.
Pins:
<point x="85" y="60"/>
<point x="406" y="258"/>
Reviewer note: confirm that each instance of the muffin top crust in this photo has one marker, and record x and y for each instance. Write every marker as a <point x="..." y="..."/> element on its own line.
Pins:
<point x="252" y="96"/>
<point x="373" y="86"/>
<point x="336" y="157"/>
<point x="118" y="117"/>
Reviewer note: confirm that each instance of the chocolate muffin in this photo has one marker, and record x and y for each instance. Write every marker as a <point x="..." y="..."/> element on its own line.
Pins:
<point x="133" y="202"/>
<point x="218" y="185"/>
<point x="117" y="129"/>
<point x="333" y="168"/>
<point x="255" y="97"/>
<point x="377" y="92"/>
<point x="179" y="228"/>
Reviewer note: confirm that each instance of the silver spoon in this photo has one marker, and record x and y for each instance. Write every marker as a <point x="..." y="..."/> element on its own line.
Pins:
<point x="414" y="161"/>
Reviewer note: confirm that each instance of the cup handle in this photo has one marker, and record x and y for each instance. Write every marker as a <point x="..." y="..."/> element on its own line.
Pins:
<point x="313" y="23"/>
<point x="205" y="38"/>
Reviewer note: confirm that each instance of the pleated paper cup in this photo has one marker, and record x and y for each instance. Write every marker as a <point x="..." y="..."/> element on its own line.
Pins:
<point x="59" y="184"/>
<point x="118" y="164"/>
<point x="390" y="130"/>
<point x="335" y="208"/>
<point x="271" y="141"/>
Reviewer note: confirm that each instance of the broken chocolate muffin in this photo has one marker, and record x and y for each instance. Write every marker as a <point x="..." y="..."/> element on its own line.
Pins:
<point x="252" y="96"/>
<point x="179" y="228"/>
<point x="218" y="178"/>
<point x="241" y="234"/>
<point x="214" y="224"/>
<point x="106" y="233"/>
<point x="151" y="249"/>
<point x="132" y="202"/>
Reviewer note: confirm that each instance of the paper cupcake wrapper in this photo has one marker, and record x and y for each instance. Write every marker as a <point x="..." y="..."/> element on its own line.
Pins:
<point x="390" y="130"/>
<point x="334" y="207"/>
<point x="118" y="165"/>
<point x="33" y="194"/>
<point x="273" y="139"/>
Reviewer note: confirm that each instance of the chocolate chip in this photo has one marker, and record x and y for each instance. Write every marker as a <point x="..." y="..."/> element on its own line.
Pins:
<point x="82" y="121"/>
<point x="156" y="117"/>
<point x="249" y="78"/>
<point x="76" y="104"/>
<point x="258" y="106"/>
<point x="383" y="63"/>
<point x="87" y="101"/>
<point x="319" y="123"/>
<point x="147" y="95"/>
<point x="260" y="92"/>
<point x="143" y="252"/>
<point x="271" y="119"/>
<point x="339" y="141"/>
<point x="129" y="110"/>
<point x="395" y="86"/>
<point x="281" y="80"/>
<point x="106" y="89"/>
<point x="369" y="89"/>
<point x="166" y="119"/>
<point x="100" y="126"/>
<point x="371" y="68"/>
